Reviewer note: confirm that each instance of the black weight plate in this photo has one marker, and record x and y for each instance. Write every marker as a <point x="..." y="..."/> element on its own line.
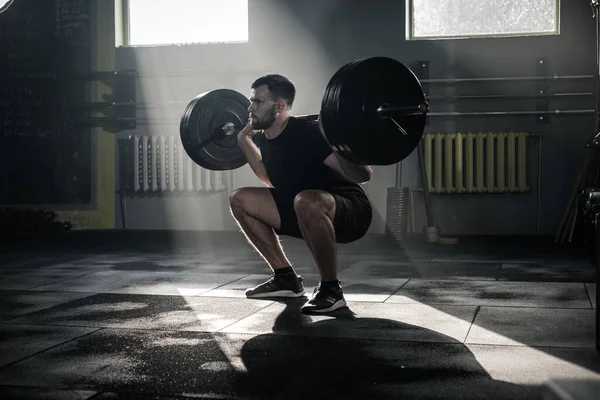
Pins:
<point x="372" y="139"/>
<point x="326" y="107"/>
<point x="341" y="134"/>
<point x="329" y="109"/>
<point x="187" y="137"/>
<point x="203" y="118"/>
<point x="338" y="136"/>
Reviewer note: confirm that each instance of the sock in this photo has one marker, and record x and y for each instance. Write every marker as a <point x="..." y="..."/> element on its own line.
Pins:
<point x="286" y="273"/>
<point x="332" y="284"/>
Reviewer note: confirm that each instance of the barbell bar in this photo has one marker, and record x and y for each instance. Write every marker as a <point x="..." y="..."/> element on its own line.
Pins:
<point x="507" y="79"/>
<point x="373" y="112"/>
<point x="506" y="113"/>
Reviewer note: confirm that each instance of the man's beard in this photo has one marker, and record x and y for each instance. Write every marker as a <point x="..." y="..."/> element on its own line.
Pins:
<point x="266" y="121"/>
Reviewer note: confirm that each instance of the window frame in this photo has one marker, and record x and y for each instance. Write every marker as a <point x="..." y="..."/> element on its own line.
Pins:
<point x="410" y="36"/>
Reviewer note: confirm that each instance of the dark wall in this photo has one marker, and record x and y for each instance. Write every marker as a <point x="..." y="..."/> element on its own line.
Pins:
<point x="309" y="40"/>
<point x="45" y="142"/>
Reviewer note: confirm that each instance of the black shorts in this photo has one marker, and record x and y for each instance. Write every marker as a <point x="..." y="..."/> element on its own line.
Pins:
<point x="353" y="215"/>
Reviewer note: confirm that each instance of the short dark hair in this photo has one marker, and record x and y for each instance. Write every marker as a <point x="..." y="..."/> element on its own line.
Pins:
<point x="279" y="86"/>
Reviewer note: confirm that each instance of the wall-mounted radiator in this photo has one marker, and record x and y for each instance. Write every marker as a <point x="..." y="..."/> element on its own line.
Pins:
<point x="476" y="162"/>
<point x="159" y="164"/>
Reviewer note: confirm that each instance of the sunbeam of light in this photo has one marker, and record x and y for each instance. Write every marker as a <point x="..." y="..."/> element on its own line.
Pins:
<point x="437" y="321"/>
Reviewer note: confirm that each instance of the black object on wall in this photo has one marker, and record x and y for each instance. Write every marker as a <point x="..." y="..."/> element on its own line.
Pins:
<point x="45" y="144"/>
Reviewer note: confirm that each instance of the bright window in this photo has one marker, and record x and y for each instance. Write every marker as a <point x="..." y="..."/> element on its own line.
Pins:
<point x="4" y="4"/>
<point x="160" y="22"/>
<point x="481" y="18"/>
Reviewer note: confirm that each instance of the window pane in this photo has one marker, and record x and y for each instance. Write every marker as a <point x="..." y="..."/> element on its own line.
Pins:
<point x="4" y="4"/>
<point x="473" y="18"/>
<point x="160" y="22"/>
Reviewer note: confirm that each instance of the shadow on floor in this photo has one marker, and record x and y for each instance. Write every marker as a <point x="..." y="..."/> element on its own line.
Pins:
<point x="318" y="365"/>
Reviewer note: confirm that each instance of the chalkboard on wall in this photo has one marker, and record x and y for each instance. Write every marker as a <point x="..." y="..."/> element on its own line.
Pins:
<point x="45" y="144"/>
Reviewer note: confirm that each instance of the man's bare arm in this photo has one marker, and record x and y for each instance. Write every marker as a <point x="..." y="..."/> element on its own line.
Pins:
<point x="350" y="170"/>
<point x="253" y="156"/>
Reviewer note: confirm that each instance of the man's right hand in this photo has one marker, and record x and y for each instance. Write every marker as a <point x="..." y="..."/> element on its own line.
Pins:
<point x="252" y="152"/>
<point x="247" y="131"/>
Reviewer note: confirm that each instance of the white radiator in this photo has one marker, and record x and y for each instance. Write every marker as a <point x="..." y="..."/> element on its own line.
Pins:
<point x="160" y="164"/>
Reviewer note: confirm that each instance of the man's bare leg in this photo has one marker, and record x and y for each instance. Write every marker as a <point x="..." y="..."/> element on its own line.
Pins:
<point x="315" y="211"/>
<point x="256" y="214"/>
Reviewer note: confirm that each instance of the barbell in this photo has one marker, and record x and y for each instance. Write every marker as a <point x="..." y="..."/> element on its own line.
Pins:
<point x="373" y="112"/>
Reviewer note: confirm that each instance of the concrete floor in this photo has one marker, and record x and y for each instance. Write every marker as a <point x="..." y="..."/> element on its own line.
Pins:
<point x="136" y="315"/>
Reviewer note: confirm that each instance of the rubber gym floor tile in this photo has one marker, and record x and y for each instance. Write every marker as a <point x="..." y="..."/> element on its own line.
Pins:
<point x="254" y="264"/>
<point x="119" y="257"/>
<point x="492" y="293"/>
<point x="14" y="279"/>
<point x="370" y="290"/>
<point x="572" y="389"/>
<point x="68" y="270"/>
<point x="376" y="321"/>
<point x="591" y="289"/>
<point x="23" y="261"/>
<point x="19" y="302"/>
<point x="147" y="312"/>
<point x="157" y="363"/>
<point x="19" y="341"/>
<point x="533" y="327"/>
<point x="576" y="272"/>
<point x="35" y="393"/>
<point x="351" y="258"/>
<point x="378" y="370"/>
<point x="149" y="264"/>
<point x="142" y="282"/>
<point x="232" y="267"/>
<point x="139" y="396"/>
<point x="422" y="269"/>
<point x="378" y="269"/>
<point x="150" y="364"/>
<point x="461" y="270"/>
<point x="475" y="258"/>
<point x="525" y="365"/>
<point x="164" y="263"/>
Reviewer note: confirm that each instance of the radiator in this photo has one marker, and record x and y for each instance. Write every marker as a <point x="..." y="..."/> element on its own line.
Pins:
<point x="160" y="164"/>
<point x="476" y="162"/>
<point x="396" y="222"/>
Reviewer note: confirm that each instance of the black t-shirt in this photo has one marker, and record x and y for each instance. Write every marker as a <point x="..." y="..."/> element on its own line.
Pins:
<point x="294" y="160"/>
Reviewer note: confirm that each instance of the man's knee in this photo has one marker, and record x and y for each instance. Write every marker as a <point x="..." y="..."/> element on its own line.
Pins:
<point x="313" y="203"/>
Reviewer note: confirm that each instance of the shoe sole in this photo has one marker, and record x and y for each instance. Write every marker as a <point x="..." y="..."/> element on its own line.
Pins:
<point x="335" y="306"/>
<point x="281" y="293"/>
